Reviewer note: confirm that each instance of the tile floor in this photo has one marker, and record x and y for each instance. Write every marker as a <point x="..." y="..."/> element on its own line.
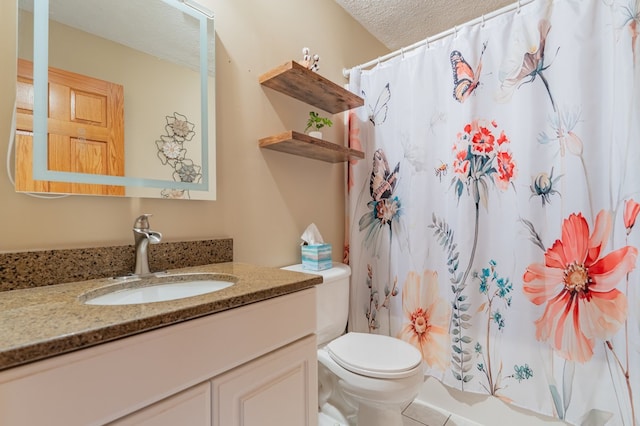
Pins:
<point x="417" y="414"/>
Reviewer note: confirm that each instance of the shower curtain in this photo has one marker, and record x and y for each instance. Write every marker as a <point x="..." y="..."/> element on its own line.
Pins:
<point x="491" y="223"/>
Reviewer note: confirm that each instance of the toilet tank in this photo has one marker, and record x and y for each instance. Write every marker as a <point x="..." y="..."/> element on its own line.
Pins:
<point x="332" y="306"/>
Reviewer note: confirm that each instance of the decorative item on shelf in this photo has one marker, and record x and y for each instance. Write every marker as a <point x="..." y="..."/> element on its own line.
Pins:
<point x="309" y="61"/>
<point x="295" y="80"/>
<point x="316" y="122"/>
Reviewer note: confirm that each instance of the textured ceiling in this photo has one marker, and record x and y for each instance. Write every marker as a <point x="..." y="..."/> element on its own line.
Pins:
<point x="400" y="23"/>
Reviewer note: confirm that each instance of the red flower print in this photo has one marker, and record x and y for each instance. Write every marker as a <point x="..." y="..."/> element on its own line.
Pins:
<point x="478" y="160"/>
<point x="503" y="138"/>
<point x="578" y="286"/>
<point x="506" y="169"/>
<point x="631" y="210"/>
<point x="482" y="141"/>
<point x="461" y="164"/>
<point x="461" y="167"/>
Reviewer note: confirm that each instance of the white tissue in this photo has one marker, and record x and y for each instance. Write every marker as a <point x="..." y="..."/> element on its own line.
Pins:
<point x="311" y="235"/>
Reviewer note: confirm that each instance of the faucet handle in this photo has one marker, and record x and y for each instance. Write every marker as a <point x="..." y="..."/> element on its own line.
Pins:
<point x="142" y="221"/>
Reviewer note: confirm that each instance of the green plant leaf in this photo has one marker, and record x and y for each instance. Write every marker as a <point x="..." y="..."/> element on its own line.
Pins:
<point x="317" y="122"/>
<point x="557" y="401"/>
<point x="567" y="382"/>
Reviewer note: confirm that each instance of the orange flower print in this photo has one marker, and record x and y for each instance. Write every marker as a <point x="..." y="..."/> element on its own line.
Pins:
<point x="354" y="142"/>
<point x="578" y="285"/>
<point x="632" y="18"/>
<point x="631" y="210"/>
<point x="506" y="169"/>
<point x="524" y="62"/>
<point x="461" y="164"/>
<point x="427" y="317"/>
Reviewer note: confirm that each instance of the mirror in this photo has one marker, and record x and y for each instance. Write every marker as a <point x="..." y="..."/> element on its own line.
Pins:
<point x="115" y="98"/>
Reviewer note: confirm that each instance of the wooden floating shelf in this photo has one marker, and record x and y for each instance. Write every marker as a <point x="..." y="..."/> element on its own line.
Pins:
<point x="293" y="142"/>
<point x="308" y="86"/>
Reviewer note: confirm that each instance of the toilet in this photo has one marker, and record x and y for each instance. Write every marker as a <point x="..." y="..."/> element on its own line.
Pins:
<point x="363" y="379"/>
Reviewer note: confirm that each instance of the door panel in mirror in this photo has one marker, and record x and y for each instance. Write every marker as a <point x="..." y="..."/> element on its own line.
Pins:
<point x="85" y="126"/>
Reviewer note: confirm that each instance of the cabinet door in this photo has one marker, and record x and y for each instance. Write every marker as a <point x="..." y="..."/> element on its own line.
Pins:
<point x="191" y="407"/>
<point x="277" y="389"/>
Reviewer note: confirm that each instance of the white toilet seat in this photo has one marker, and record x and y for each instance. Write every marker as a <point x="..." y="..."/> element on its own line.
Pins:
<point x="375" y="355"/>
<point x="374" y="390"/>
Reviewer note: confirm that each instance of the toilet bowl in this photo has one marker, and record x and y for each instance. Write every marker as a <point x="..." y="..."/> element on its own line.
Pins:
<point x="363" y="379"/>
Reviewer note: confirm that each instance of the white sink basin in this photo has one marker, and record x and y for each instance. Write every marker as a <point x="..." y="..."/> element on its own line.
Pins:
<point x="158" y="289"/>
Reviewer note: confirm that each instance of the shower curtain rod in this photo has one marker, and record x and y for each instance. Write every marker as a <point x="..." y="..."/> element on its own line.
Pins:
<point x="481" y="20"/>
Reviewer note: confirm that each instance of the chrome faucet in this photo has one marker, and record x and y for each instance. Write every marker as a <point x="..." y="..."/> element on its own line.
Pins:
<point x="143" y="236"/>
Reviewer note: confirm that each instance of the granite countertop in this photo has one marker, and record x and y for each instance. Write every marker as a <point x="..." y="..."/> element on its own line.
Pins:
<point x="42" y="322"/>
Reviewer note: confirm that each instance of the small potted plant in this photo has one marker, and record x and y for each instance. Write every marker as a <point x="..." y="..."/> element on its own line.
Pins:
<point x="316" y="122"/>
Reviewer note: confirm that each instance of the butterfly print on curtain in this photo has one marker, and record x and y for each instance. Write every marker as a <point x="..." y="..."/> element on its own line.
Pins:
<point x="384" y="212"/>
<point x="384" y="207"/>
<point x="465" y="80"/>
<point x="378" y="113"/>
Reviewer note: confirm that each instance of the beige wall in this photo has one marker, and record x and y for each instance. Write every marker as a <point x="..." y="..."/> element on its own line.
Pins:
<point x="265" y="198"/>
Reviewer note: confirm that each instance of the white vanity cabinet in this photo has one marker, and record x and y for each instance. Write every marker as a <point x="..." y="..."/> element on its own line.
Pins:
<point x="190" y="407"/>
<point x="252" y="365"/>
<point x="272" y="390"/>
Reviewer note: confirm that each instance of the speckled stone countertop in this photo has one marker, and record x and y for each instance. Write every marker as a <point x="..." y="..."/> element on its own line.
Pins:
<point x="50" y="267"/>
<point x="42" y="322"/>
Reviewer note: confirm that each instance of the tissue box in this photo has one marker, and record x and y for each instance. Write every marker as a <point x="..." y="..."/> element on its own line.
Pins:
<point x="316" y="257"/>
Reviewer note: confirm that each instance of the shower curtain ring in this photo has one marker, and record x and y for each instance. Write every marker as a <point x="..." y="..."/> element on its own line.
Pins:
<point x="455" y="31"/>
<point x="482" y="24"/>
<point x="402" y="52"/>
<point x="519" y="5"/>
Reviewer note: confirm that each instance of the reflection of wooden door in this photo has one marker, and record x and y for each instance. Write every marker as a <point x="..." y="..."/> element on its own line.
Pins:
<point x="85" y="131"/>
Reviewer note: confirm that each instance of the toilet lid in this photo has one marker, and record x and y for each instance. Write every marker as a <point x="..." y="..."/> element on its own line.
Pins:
<point x="375" y="355"/>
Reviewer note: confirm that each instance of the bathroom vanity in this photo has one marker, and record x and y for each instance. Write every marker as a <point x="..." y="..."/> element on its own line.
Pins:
<point x="244" y="355"/>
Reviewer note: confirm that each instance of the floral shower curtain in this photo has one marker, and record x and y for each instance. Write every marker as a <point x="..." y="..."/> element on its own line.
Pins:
<point x="492" y="219"/>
